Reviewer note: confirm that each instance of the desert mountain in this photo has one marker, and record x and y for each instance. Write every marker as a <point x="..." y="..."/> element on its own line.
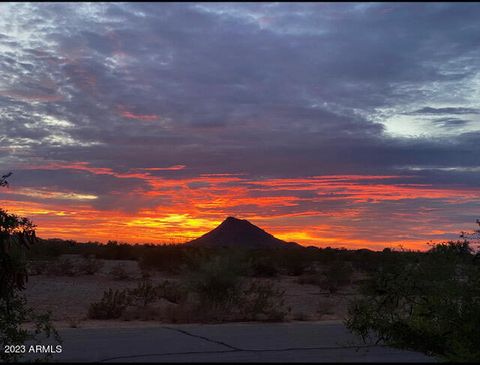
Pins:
<point x="233" y="232"/>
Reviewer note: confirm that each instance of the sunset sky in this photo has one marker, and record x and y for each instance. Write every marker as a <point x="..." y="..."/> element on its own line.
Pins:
<point x="344" y="125"/>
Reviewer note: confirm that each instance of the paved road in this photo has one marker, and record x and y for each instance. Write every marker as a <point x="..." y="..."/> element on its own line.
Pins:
<point x="278" y="342"/>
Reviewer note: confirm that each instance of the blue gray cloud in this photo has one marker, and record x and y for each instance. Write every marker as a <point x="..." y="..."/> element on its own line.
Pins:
<point x="269" y="90"/>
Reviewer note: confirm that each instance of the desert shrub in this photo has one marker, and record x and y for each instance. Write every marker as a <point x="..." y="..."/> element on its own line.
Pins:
<point x="453" y="249"/>
<point x="430" y="304"/>
<point x="118" y="272"/>
<point x="294" y="261"/>
<point x="262" y="300"/>
<point x="111" y="306"/>
<point x="133" y="303"/>
<point x="61" y="267"/>
<point x="166" y="258"/>
<point x="90" y="265"/>
<point x="368" y="261"/>
<point x="336" y="276"/>
<point x="216" y="281"/>
<point x="117" y="251"/>
<point x="144" y="294"/>
<point x="332" y="278"/>
<point x="263" y="267"/>
<point x="171" y="291"/>
<point x="219" y="293"/>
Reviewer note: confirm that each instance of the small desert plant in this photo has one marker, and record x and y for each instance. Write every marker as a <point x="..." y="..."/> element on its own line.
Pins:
<point x="61" y="267"/>
<point x="263" y="267"/>
<point x="90" y="265"/>
<point x="144" y="294"/>
<point x="216" y="282"/>
<point x="262" y="300"/>
<point x="171" y="291"/>
<point x="294" y="262"/>
<point x="118" y="272"/>
<point x="111" y="306"/>
<point x="337" y="275"/>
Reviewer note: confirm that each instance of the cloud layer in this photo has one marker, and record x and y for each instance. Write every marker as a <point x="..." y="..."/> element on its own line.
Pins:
<point x="340" y="124"/>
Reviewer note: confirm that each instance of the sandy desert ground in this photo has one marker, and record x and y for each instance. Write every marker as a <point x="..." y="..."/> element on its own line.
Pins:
<point x="69" y="297"/>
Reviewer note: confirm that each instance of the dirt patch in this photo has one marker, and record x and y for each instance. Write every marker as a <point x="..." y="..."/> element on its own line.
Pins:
<point x="69" y="297"/>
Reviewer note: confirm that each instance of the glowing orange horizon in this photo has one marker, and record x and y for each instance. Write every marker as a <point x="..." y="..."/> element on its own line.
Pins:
<point x="338" y="210"/>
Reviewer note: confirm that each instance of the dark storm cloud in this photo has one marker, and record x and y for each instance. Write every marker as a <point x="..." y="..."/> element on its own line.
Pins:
<point x="264" y="89"/>
<point x="69" y="180"/>
<point x="449" y="110"/>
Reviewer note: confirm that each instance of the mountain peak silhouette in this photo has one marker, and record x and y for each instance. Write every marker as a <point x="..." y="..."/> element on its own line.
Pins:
<point x="234" y="232"/>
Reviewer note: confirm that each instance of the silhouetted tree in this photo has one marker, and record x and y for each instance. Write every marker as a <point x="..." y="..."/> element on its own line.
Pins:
<point x="428" y="303"/>
<point x="473" y="236"/>
<point x="16" y="235"/>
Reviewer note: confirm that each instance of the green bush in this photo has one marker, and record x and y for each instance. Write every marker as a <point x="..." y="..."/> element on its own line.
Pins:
<point x="111" y="306"/>
<point x="216" y="281"/>
<point x="429" y="304"/>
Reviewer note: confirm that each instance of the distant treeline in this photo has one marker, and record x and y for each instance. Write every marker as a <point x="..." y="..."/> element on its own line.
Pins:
<point x="173" y="257"/>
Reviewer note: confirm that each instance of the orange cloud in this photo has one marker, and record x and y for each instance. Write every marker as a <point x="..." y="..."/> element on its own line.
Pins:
<point x="144" y="117"/>
<point x="195" y="205"/>
<point x="122" y="110"/>
<point x="171" y="168"/>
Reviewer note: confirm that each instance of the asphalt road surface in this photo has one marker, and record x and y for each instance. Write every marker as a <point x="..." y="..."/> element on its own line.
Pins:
<point x="235" y="342"/>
